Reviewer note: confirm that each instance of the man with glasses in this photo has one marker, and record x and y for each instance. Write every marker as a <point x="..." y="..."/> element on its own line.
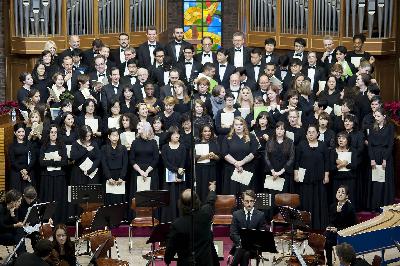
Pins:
<point x="167" y="90"/>
<point x="247" y="217"/>
<point x="206" y="56"/>
<point x="299" y="46"/>
<point x="118" y="55"/>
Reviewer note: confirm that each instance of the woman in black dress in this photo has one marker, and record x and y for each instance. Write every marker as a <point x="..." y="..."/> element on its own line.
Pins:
<point x="174" y="157"/>
<point x="153" y="103"/>
<point x="169" y="116"/>
<point x="128" y="102"/>
<point x="143" y="158"/>
<point x="68" y="134"/>
<point x="63" y="246"/>
<point x="380" y="148"/>
<point x="22" y="160"/>
<point x="326" y="135"/>
<point x="114" y="162"/>
<point x="306" y="103"/>
<point x="89" y="108"/>
<point x="81" y="95"/>
<point x="182" y="99"/>
<point x="222" y="129"/>
<point x="114" y="118"/>
<point x="239" y="149"/>
<point x="294" y="127"/>
<point x="343" y="169"/>
<point x="41" y="80"/>
<point x="331" y="93"/>
<point x="53" y="158"/>
<point x="312" y="159"/>
<point x="206" y="168"/>
<point x="200" y="117"/>
<point x="85" y="149"/>
<point x="127" y="125"/>
<point x="27" y="81"/>
<point x="341" y="215"/>
<point x="279" y="156"/>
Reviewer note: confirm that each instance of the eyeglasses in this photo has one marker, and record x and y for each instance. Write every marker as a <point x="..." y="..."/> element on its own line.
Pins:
<point x="248" y="201"/>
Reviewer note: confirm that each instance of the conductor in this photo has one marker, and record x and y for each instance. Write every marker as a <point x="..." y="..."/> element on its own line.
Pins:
<point x="179" y="238"/>
<point x="248" y="218"/>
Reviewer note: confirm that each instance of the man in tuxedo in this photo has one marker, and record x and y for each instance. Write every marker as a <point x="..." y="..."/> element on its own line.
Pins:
<point x="159" y="71"/>
<point x="245" y="81"/>
<point x="129" y="53"/>
<point x="105" y="52"/>
<point x="138" y="88"/>
<point x="70" y="76"/>
<point x="239" y="55"/>
<point x="272" y="72"/>
<point x="255" y="68"/>
<point x="111" y="90"/>
<point x="179" y="238"/>
<point x="270" y="56"/>
<point x="295" y="66"/>
<point x="74" y="43"/>
<point x="131" y="78"/>
<point x="117" y="55"/>
<point x="167" y="90"/>
<point x="206" y="56"/>
<point x="223" y="70"/>
<point x="189" y="68"/>
<point x="146" y="49"/>
<point x="299" y="53"/>
<point x="234" y="85"/>
<point x="328" y="57"/>
<point x="313" y="71"/>
<point x="174" y="49"/>
<point x="247" y="217"/>
<point x="89" y="54"/>
<point x="100" y="74"/>
<point x="76" y="62"/>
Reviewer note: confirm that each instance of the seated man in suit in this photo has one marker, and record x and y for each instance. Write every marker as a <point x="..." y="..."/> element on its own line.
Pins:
<point x="249" y="218"/>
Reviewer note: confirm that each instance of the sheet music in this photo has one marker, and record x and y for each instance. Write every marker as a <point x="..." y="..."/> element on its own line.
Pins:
<point x="157" y="138"/>
<point x="127" y="138"/>
<point x="321" y="137"/>
<point x="143" y="185"/>
<point x="170" y="177"/>
<point x="113" y="122"/>
<point x="53" y="168"/>
<point x="202" y="149"/>
<point x="321" y="85"/>
<point x="52" y="156"/>
<point x="337" y="110"/>
<point x="86" y="165"/>
<point x="25" y="115"/>
<point x="227" y="119"/>
<point x="55" y="93"/>
<point x="290" y="135"/>
<point x="85" y="92"/>
<point x="37" y="128"/>
<point x="244" y="177"/>
<point x="356" y="61"/>
<point x="93" y="123"/>
<point x="54" y="112"/>
<point x="115" y="189"/>
<point x="244" y="112"/>
<point x="344" y="155"/>
<point x="257" y="110"/>
<point x="378" y="174"/>
<point x="277" y="184"/>
<point x="328" y="110"/>
<point x="301" y="174"/>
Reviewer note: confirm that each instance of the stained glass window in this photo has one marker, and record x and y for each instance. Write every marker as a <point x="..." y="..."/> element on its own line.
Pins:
<point x="203" y="18"/>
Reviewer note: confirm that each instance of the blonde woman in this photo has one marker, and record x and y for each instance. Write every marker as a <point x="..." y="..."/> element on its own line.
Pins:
<point x="182" y="98"/>
<point x="169" y="116"/>
<point x="52" y="47"/>
<point x="239" y="148"/>
<point x="306" y="103"/>
<point x="245" y="101"/>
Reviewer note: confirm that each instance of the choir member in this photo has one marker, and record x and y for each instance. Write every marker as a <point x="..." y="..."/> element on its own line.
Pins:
<point x="200" y="117"/>
<point x="239" y="149"/>
<point x="128" y="102"/>
<point x="221" y="128"/>
<point x="153" y="104"/>
<point x="114" y="162"/>
<point x="63" y="247"/>
<point x="312" y="174"/>
<point x="181" y="97"/>
<point x="89" y="108"/>
<point x="169" y="115"/>
<point x="53" y="158"/>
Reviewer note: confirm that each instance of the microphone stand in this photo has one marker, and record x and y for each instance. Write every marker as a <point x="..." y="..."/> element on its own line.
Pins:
<point x="193" y="177"/>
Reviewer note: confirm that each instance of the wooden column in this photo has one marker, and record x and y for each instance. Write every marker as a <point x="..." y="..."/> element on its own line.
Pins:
<point x="6" y="138"/>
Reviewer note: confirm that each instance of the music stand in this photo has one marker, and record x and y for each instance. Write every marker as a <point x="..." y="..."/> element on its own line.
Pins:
<point x="108" y="216"/>
<point x="9" y="260"/>
<point x="258" y="241"/>
<point x="85" y="193"/>
<point x="152" y="199"/>
<point x="292" y="217"/>
<point x="263" y="201"/>
<point x="159" y="234"/>
<point x="40" y="212"/>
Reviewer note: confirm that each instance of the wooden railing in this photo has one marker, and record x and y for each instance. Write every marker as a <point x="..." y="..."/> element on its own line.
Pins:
<point x="33" y="22"/>
<point x="286" y="20"/>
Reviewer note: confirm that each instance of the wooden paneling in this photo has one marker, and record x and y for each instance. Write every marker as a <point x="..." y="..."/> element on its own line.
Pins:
<point x="14" y="66"/>
<point x="6" y="138"/>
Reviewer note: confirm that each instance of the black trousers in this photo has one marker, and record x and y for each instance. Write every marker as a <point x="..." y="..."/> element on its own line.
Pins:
<point x="331" y="241"/>
<point x="242" y="257"/>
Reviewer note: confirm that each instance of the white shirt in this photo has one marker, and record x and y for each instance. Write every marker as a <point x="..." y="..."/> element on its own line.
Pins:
<point x="311" y="75"/>
<point x="298" y="56"/>
<point x="177" y="50"/>
<point x="101" y="78"/>
<point x="133" y="80"/>
<point x="206" y="58"/>
<point x="268" y="58"/>
<point x="256" y="71"/>
<point x="222" y="70"/>
<point x="238" y="59"/>
<point x="69" y="82"/>
<point x="115" y="89"/>
<point x="188" y="68"/>
<point x="151" y="50"/>
<point x="121" y="55"/>
<point x="251" y="213"/>
<point x="166" y="77"/>
<point x="142" y="89"/>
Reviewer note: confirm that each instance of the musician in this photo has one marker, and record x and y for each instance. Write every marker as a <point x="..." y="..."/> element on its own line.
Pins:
<point x="63" y="247"/>
<point x="299" y="46"/>
<point x="347" y="256"/>
<point x="249" y="218"/>
<point x="88" y="55"/>
<point x="269" y="56"/>
<point x="313" y="71"/>
<point x="118" y="55"/>
<point x="174" y="48"/>
<point x="11" y="230"/>
<point x="42" y="252"/>
<point x="358" y="52"/>
<point x="74" y="43"/>
<point x="239" y="55"/>
<point x="105" y="52"/>
<point x="131" y="77"/>
<point x="77" y="65"/>
<point x="341" y="215"/>
<point x="189" y="67"/>
<point x="255" y="68"/>
<point x="223" y="70"/>
<point x="145" y="50"/>
<point x="206" y="56"/>
<point x="179" y="238"/>
<point x="328" y="57"/>
<point x="129" y="53"/>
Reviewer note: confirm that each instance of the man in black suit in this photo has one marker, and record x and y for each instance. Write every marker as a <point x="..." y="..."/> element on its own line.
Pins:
<point x="74" y="43"/>
<point x="249" y="218"/>
<point x="88" y="55"/>
<point x="179" y="237"/>
<point x="174" y="49"/>
<point x="111" y="90"/>
<point x="138" y="88"/>
<point x="117" y="55"/>
<point x="100" y="74"/>
<point x="206" y="56"/>
<point x="167" y="90"/>
<point x="314" y="72"/>
<point x="299" y="46"/>
<point x="159" y="71"/>
<point x="295" y="66"/>
<point x="77" y="62"/>
<point x="146" y="49"/>
<point x="270" y="56"/>
<point x="189" y="68"/>
<point x="70" y="76"/>
<point x="239" y="55"/>
<point x="223" y="70"/>
<point x="131" y="78"/>
<point x="129" y="53"/>
<point x="105" y="52"/>
<point x="245" y="81"/>
<point x="329" y="56"/>
<point x="255" y="68"/>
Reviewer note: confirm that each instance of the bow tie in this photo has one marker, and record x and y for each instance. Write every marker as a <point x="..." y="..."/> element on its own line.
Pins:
<point x="259" y="65"/>
<point x="122" y="50"/>
<point x="300" y="54"/>
<point x="238" y="50"/>
<point x="313" y="67"/>
<point x="152" y="45"/>
<point x="207" y="55"/>
<point x="102" y="75"/>
<point x="268" y="55"/>
<point x="222" y="65"/>
<point x="178" y="43"/>
<point x="188" y="63"/>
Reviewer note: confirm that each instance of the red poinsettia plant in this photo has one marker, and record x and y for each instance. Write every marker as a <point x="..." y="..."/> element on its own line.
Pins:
<point x="7" y="106"/>
<point x="393" y="110"/>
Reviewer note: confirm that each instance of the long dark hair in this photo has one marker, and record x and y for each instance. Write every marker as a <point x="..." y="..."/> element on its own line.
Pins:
<point x="69" y="247"/>
<point x="59" y="142"/>
<point x="272" y="144"/>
